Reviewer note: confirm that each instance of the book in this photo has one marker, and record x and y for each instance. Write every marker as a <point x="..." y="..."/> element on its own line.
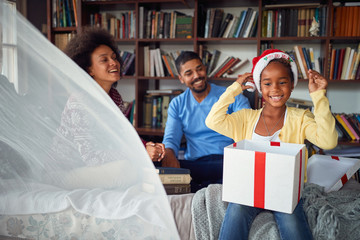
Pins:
<point x="240" y="24"/>
<point x="224" y="25"/>
<point x="351" y="63"/>
<point x="341" y="121"/>
<point x="167" y="65"/>
<point x="345" y="63"/>
<point x="342" y="131"/>
<point x="154" y="112"/>
<point x="237" y="67"/>
<point x="300" y="103"/>
<point x="356" y="66"/>
<point x="132" y="113"/>
<point x="147" y="61"/>
<point x="223" y="63"/>
<point x="349" y="126"/>
<point x="172" y="170"/>
<point x="353" y="123"/>
<point x="147" y="111"/>
<point x="175" y="178"/>
<point x="164" y="110"/>
<point x="307" y="58"/>
<point x="300" y="61"/>
<point x="249" y="14"/>
<point x="172" y="189"/>
<point x="233" y="61"/>
<point x="157" y="92"/>
<point x="184" y="26"/>
<point x="229" y="27"/>
<point x="264" y="23"/>
<point x="332" y="64"/>
<point x="213" y="62"/>
<point x="250" y="25"/>
<point x="217" y="22"/>
<point x="336" y="64"/>
<point x="301" y="22"/>
<point x="341" y="61"/>
<point x="158" y="62"/>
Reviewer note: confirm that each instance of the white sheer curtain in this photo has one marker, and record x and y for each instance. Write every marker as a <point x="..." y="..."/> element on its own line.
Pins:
<point x="41" y="169"/>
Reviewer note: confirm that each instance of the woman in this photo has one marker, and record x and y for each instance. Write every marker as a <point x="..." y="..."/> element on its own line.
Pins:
<point x="95" y="51"/>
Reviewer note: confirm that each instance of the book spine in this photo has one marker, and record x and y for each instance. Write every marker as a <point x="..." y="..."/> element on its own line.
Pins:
<point x="350" y="127"/>
<point x="147" y="111"/>
<point x="172" y="170"/>
<point x="341" y="121"/>
<point x="154" y="113"/>
<point x="175" y="178"/>
<point x="299" y="60"/>
<point x="171" y="189"/>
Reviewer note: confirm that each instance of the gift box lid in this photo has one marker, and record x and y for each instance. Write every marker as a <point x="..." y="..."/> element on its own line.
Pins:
<point x="331" y="172"/>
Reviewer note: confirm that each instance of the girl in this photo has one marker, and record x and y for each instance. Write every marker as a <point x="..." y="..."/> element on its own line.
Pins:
<point x="275" y="76"/>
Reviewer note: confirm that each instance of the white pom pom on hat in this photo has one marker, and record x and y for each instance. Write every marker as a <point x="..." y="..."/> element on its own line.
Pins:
<point x="260" y="62"/>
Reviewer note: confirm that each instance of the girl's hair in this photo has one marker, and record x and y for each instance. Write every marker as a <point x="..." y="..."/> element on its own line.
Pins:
<point x="80" y="48"/>
<point x="286" y="64"/>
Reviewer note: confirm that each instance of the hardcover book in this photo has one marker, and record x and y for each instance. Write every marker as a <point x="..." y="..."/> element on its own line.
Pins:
<point x="172" y="170"/>
<point x="172" y="189"/>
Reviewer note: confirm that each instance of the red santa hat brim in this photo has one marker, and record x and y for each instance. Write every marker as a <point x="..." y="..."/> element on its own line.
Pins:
<point x="259" y="63"/>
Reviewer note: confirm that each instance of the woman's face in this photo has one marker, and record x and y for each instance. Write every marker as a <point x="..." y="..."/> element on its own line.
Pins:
<point x="276" y="85"/>
<point x="105" y="68"/>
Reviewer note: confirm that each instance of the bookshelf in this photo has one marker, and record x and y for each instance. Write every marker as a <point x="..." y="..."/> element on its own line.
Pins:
<point x="245" y="47"/>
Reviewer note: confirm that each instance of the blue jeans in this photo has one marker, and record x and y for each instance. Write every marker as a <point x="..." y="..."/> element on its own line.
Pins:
<point x="238" y="220"/>
<point x="204" y="171"/>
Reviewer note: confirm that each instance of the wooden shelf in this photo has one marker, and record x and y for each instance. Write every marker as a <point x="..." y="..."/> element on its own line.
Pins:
<point x="150" y="131"/>
<point x="85" y="8"/>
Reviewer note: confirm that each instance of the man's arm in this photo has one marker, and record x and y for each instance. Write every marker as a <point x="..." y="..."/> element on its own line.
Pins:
<point x="170" y="159"/>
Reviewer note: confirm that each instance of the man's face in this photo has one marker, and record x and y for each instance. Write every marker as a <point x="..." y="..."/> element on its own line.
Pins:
<point x="193" y="75"/>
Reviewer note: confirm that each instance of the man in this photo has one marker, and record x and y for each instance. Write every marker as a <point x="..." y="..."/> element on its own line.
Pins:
<point x="186" y="116"/>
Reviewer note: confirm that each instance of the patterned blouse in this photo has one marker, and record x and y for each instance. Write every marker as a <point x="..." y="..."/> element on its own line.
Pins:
<point x="78" y="133"/>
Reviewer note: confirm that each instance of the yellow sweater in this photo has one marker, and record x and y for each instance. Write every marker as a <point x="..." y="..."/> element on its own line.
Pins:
<point x="300" y="124"/>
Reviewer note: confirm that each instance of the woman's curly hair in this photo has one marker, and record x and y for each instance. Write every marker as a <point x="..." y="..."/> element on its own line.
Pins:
<point x="80" y="47"/>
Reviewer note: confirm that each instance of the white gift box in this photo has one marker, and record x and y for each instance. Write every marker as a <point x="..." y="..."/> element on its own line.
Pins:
<point x="264" y="174"/>
<point x="331" y="172"/>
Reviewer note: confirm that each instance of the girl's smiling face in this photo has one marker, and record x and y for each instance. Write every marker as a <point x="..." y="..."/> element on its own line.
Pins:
<point x="276" y="84"/>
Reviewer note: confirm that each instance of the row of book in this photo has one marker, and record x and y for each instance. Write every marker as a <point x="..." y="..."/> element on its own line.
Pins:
<point x="158" y="63"/>
<point x="156" y="104"/>
<point x="348" y="126"/>
<point x="344" y="63"/>
<point x="175" y="180"/>
<point x="228" y="65"/>
<point x="64" y="13"/>
<point x="160" y="24"/>
<point x="293" y="22"/>
<point x="128" y="63"/>
<point x="122" y="27"/>
<point x="219" y="25"/>
<point x="62" y="39"/>
<point x="305" y="60"/>
<point x="346" y="21"/>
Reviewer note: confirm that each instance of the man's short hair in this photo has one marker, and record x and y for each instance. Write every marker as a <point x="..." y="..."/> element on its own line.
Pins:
<point x="184" y="57"/>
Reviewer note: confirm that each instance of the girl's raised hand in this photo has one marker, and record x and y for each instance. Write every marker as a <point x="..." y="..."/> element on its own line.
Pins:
<point x="243" y="79"/>
<point x="316" y="81"/>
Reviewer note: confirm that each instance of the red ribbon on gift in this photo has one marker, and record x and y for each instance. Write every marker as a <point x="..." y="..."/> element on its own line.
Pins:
<point x="259" y="177"/>
<point x="344" y="179"/>
<point x="259" y="180"/>
<point x="299" y="190"/>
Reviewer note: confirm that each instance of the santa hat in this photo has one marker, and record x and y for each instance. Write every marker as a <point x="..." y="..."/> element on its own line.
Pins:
<point x="259" y="63"/>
